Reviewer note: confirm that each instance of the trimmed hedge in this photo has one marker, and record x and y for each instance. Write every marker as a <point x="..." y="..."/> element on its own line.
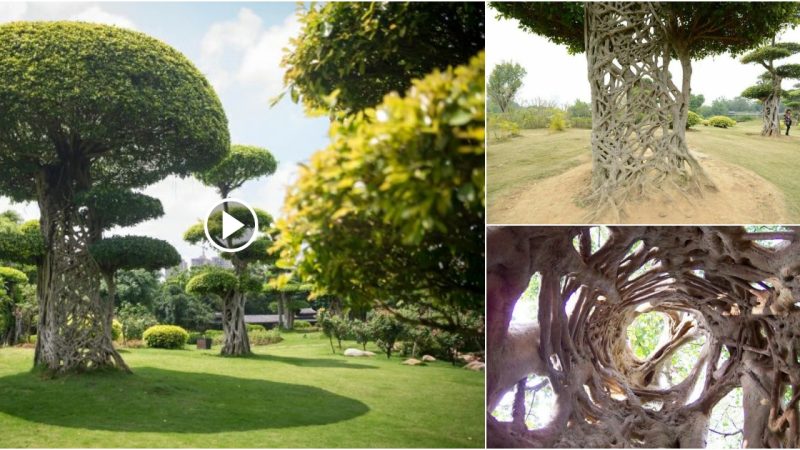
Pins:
<point x="264" y="337"/>
<point x="255" y="327"/>
<point x="693" y="119"/>
<point x="721" y="122"/>
<point x="165" y="336"/>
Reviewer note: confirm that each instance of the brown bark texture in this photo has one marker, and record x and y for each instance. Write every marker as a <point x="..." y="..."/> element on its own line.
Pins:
<point x="716" y="282"/>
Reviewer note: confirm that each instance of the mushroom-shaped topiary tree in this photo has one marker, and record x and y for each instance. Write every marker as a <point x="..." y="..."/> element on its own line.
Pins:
<point x="244" y="163"/>
<point x="769" y="90"/>
<point x="639" y="134"/>
<point x="233" y="301"/>
<point x="86" y="105"/>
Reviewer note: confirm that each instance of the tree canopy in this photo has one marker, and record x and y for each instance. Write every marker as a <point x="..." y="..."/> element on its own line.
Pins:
<point x="701" y="28"/>
<point x="243" y="163"/>
<point x="349" y="55"/>
<point x="504" y="83"/>
<point x="134" y="252"/>
<point x="126" y="105"/>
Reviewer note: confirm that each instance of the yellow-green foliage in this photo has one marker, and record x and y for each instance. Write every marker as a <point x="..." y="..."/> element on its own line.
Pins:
<point x="557" y="122"/>
<point x="721" y="122"/>
<point x="693" y="119"/>
<point x="394" y="180"/>
<point x="116" y="330"/>
<point x="165" y="336"/>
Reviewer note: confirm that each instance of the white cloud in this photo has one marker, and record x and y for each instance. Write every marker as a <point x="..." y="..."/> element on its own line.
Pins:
<point x="12" y="11"/>
<point x="95" y="14"/>
<point x="242" y="51"/>
<point x="271" y="193"/>
<point x="261" y="63"/>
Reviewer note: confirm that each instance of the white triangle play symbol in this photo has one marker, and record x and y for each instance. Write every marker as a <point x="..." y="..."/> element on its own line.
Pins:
<point x="229" y="225"/>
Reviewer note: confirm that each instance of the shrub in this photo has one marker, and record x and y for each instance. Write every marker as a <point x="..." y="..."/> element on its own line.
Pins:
<point x="302" y="325"/>
<point x="721" y="122"/>
<point x="693" y="119"/>
<point x="557" y="122"/>
<point x="264" y="337"/>
<point x="705" y="122"/>
<point x="255" y="327"/>
<point x="217" y="336"/>
<point x="32" y="339"/>
<point x="165" y="336"/>
<point x="135" y="319"/>
<point x="116" y="330"/>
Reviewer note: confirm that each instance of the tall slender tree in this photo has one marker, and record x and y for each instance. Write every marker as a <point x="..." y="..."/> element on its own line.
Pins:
<point x="769" y="91"/>
<point x="243" y="164"/>
<point x="504" y="83"/>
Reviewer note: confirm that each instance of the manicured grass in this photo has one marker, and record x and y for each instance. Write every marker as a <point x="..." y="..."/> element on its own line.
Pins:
<point x="536" y="154"/>
<point x="292" y="394"/>
<point x="541" y="154"/>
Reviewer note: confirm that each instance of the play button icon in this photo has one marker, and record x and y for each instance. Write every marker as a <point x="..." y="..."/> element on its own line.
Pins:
<point x="231" y="225"/>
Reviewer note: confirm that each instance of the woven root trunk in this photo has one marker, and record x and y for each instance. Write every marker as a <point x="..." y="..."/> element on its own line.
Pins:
<point x="233" y="326"/>
<point x="636" y="149"/>
<point x="715" y="282"/>
<point x="74" y="332"/>
<point x="770" y="118"/>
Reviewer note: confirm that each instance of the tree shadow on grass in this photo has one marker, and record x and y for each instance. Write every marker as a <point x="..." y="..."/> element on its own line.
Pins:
<point x="309" y="362"/>
<point x="158" y="400"/>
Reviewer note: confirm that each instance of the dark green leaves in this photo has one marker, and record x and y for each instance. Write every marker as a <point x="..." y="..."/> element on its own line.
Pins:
<point x="134" y="252"/>
<point x="349" y="55"/>
<point x="243" y="163"/>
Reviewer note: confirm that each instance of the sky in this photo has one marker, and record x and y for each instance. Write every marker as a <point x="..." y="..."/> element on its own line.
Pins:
<point x="238" y="46"/>
<point x="554" y="75"/>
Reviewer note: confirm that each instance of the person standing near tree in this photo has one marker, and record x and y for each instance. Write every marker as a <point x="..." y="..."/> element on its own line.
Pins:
<point x="787" y="119"/>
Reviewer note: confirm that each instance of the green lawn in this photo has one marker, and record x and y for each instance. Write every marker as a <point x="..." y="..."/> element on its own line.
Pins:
<point x="541" y="154"/>
<point x="292" y="394"/>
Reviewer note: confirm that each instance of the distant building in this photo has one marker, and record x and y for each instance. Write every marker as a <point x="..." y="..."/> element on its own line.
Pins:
<point x="269" y="320"/>
<point x="214" y="261"/>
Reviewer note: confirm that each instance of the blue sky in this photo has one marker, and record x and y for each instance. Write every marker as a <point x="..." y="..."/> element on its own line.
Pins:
<point x="238" y="47"/>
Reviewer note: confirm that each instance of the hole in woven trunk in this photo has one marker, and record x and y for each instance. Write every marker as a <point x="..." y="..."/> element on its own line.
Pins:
<point x="540" y="403"/>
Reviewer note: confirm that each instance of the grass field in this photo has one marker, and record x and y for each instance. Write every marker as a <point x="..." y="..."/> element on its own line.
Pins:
<point x="292" y="394"/>
<point x="540" y="154"/>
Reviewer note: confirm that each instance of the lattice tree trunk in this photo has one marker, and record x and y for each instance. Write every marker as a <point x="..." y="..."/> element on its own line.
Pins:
<point x="73" y="332"/>
<point x="234" y="327"/>
<point x="638" y="114"/>
<point x="711" y="282"/>
<point x="770" y="117"/>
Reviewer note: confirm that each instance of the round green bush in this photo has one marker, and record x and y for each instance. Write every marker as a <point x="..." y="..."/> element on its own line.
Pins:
<point x="116" y="330"/>
<point x="255" y="327"/>
<point x="165" y="336"/>
<point x="693" y="119"/>
<point x="721" y="122"/>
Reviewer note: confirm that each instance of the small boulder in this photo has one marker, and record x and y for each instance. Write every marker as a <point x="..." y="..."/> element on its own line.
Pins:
<point x="412" y="362"/>
<point x="476" y="366"/>
<point x="467" y="358"/>
<point x="428" y="358"/>
<point x="357" y="352"/>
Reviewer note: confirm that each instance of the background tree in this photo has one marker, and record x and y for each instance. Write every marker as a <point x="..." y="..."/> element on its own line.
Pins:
<point x="233" y="302"/>
<point x="696" y="101"/>
<point x="173" y="305"/>
<point x="244" y="163"/>
<point x="766" y="57"/>
<point x="616" y="33"/>
<point x="12" y="283"/>
<point x="386" y="330"/>
<point x="86" y="105"/>
<point x="393" y="209"/>
<point x="348" y="56"/>
<point x="504" y="83"/>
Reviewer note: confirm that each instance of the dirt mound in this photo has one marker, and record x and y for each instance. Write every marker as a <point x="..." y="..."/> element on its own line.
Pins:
<point x="742" y="197"/>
